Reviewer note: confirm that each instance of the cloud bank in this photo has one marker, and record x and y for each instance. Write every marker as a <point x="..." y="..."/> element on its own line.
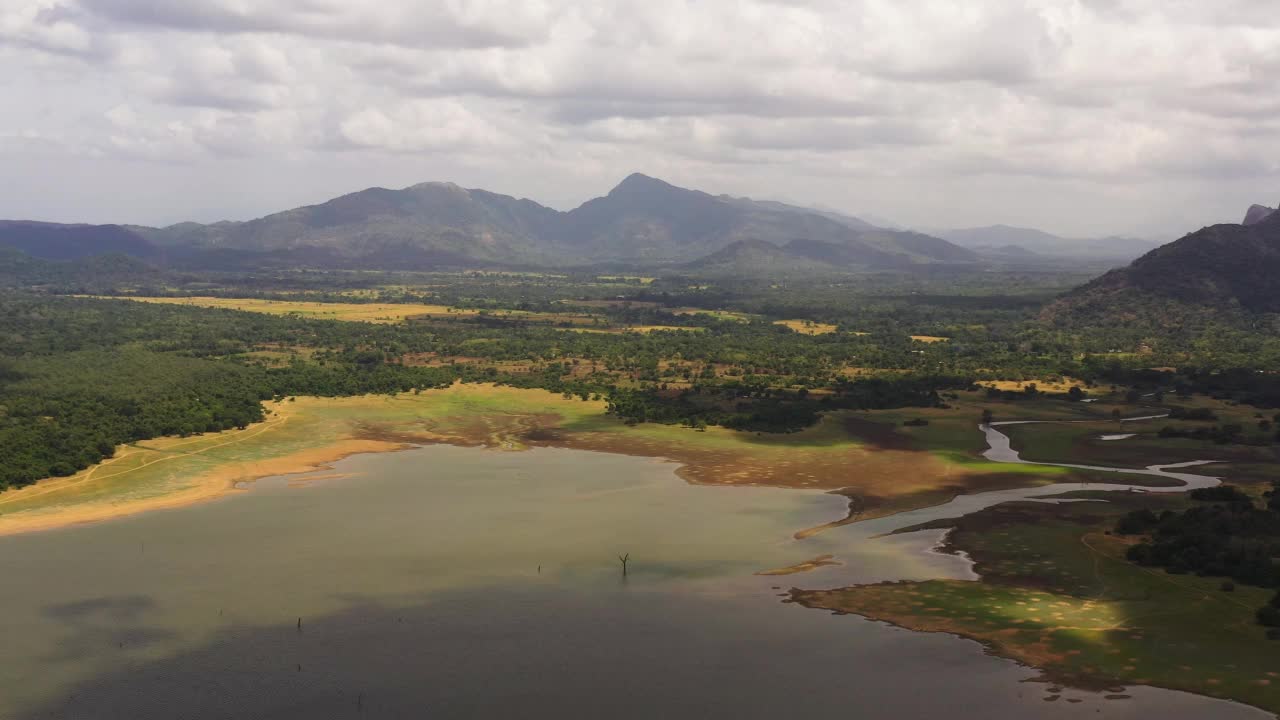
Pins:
<point x="1079" y="116"/>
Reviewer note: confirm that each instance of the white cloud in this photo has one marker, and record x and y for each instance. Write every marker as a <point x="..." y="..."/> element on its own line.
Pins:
<point x="898" y="107"/>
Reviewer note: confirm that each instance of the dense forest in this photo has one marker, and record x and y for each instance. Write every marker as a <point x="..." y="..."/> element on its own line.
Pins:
<point x="1228" y="534"/>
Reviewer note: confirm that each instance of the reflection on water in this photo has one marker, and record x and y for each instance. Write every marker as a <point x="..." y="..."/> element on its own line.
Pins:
<point x="451" y="582"/>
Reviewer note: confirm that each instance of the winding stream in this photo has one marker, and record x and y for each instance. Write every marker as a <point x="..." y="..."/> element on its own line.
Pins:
<point x="1000" y="450"/>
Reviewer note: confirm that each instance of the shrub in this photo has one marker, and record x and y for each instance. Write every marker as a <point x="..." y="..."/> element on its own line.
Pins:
<point x="1269" y="615"/>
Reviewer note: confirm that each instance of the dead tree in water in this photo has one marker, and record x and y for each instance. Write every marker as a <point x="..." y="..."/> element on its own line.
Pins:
<point x="623" y="559"/>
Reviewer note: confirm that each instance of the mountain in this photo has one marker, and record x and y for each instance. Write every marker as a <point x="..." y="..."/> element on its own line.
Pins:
<point x="918" y="246"/>
<point x="438" y="223"/>
<point x="843" y="219"/>
<point x="757" y="258"/>
<point x="1257" y="213"/>
<point x="1222" y="271"/>
<point x="646" y="219"/>
<point x="1047" y="244"/>
<point x="52" y="241"/>
<point x="642" y="222"/>
<point x="1012" y="252"/>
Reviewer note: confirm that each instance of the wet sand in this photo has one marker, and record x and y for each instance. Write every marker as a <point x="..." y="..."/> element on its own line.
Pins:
<point x="204" y="488"/>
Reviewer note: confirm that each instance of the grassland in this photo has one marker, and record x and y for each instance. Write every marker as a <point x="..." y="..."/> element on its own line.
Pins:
<point x="1059" y="386"/>
<point x="1058" y="594"/>
<point x="349" y="312"/>
<point x="373" y="312"/>
<point x="729" y="315"/>
<point x="1083" y="441"/>
<point x="807" y="327"/>
<point x="882" y="466"/>
<point x="640" y="329"/>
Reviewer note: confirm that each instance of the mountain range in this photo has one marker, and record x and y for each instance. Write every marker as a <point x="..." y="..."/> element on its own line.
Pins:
<point x="643" y="222"/>
<point x="1008" y="242"/>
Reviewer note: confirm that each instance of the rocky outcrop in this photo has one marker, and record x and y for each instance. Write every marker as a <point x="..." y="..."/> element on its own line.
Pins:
<point x="1256" y="214"/>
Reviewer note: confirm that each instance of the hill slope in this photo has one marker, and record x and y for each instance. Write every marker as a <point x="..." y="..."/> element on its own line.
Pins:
<point x="1223" y="272"/>
<point x="53" y="241"/>
<point x="756" y="258"/>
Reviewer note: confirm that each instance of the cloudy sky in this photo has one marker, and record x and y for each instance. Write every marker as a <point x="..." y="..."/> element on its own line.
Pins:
<point x="1078" y="116"/>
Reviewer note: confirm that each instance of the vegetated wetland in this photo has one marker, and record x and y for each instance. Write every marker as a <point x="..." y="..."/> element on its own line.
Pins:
<point x="382" y="479"/>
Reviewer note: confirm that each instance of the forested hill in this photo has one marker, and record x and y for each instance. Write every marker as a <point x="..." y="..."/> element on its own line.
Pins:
<point x="642" y="222"/>
<point x="1222" y="273"/>
<point x="53" y="241"/>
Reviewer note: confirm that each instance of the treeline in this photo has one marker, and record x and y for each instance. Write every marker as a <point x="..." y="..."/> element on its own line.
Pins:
<point x="1250" y="382"/>
<point x="1222" y="434"/>
<point x="775" y="410"/>
<point x="1229" y="536"/>
<point x="62" y="414"/>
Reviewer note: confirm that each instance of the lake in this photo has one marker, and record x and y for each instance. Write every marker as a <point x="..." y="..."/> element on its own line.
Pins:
<point x="461" y="582"/>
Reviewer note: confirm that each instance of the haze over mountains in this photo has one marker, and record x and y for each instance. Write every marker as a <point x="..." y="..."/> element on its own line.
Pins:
<point x="1012" y="242"/>
<point x="642" y="223"/>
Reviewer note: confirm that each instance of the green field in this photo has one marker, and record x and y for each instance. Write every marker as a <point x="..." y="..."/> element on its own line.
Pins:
<point x="1057" y="594"/>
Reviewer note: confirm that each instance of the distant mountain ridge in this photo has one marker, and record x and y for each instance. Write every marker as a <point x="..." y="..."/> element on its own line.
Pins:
<point x="643" y="221"/>
<point x="1002" y="239"/>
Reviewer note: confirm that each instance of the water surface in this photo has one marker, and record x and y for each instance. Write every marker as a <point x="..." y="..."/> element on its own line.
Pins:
<point x="456" y="582"/>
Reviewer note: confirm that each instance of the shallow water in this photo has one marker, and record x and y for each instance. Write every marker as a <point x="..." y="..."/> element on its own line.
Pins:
<point x="455" y="582"/>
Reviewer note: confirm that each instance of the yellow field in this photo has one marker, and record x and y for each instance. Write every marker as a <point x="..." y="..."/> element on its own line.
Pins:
<point x="642" y="329"/>
<point x="929" y="338"/>
<point x="717" y="314"/>
<point x="623" y="278"/>
<point x="1043" y="386"/>
<point x="807" y="327"/>
<point x="350" y="312"/>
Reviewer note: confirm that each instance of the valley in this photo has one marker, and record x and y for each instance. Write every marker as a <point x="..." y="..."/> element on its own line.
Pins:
<point x="836" y="410"/>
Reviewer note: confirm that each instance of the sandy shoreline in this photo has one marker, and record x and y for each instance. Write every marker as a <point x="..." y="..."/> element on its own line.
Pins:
<point x="206" y="487"/>
<point x="102" y="492"/>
